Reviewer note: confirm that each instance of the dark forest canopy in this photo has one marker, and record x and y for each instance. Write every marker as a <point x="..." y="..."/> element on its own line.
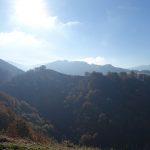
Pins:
<point x="98" y="110"/>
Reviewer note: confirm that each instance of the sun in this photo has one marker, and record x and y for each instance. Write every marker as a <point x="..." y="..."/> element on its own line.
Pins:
<point x="32" y="12"/>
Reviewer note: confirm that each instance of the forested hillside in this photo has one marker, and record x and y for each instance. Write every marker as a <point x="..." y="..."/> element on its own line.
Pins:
<point x="96" y="110"/>
<point x="20" y="120"/>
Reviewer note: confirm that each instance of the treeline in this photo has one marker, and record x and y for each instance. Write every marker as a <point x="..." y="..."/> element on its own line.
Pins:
<point x="96" y="110"/>
<point x="111" y="110"/>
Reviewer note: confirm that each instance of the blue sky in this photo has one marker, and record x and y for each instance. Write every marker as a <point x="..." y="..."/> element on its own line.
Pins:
<point x="96" y="31"/>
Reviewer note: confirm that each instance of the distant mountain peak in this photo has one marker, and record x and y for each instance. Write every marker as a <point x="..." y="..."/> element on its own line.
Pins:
<point x="142" y="67"/>
<point x="108" y="65"/>
<point x="81" y="67"/>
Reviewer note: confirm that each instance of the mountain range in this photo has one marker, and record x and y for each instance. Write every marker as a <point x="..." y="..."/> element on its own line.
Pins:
<point x="143" y="67"/>
<point x="73" y="67"/>
<point x="80" y="68"/>
<point x="102" y="109"/>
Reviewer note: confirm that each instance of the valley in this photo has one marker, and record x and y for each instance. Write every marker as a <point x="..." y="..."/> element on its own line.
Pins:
<point x="99" y="110"/>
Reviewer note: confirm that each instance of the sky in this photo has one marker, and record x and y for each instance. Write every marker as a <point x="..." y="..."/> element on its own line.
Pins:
<point x="101" y="32"/>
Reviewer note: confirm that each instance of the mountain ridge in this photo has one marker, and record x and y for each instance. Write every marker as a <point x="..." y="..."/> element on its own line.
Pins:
<point x="142" y="67"/>
<point x="80" y="67"/>
<point x="8" y="71"/>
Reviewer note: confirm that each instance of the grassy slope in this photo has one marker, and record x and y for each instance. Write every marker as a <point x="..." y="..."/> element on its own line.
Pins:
<point x="18" y="144"/>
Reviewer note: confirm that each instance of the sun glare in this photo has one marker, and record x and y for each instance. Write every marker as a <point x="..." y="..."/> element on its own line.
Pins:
<point x="33" y="13"/>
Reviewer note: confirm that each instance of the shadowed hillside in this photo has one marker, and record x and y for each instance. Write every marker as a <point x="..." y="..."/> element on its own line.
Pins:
<point x="19" y="120"/>
<point x="96" y="110"/>
<point x="8" y="71"/>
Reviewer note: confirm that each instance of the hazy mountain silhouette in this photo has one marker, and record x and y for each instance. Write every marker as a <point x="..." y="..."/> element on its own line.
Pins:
<point x="25" y="67"/>
<point x="20" y="66"/>
<point x="80" y="68"/>
<point x="8" y="71"/>
<point x="143" y="67"/>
